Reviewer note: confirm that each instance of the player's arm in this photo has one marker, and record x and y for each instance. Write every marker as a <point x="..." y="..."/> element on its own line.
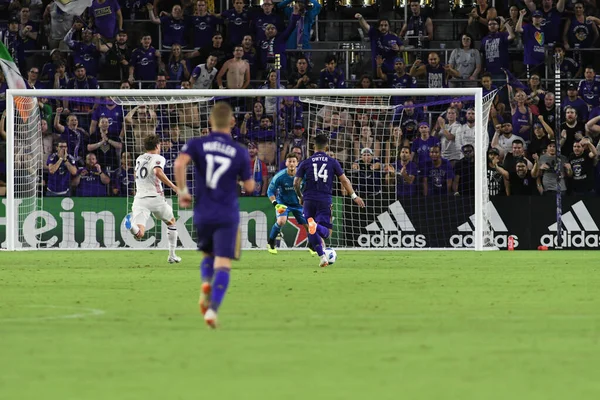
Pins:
<point x="348" y="187"/>
<point x="297" y="189"/>
<point x="222" y="72"/>
<point x="181" y="163"/>
<point x="160" y="174"/>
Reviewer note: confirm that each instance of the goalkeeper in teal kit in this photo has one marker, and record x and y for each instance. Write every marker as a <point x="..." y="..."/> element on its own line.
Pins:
<point x="281" y="193"/>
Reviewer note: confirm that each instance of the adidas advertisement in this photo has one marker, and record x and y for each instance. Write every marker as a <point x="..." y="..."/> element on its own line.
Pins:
<point x="500" y="232"/>
<point x="578" y="228"/>
<point x="392" y="228"/>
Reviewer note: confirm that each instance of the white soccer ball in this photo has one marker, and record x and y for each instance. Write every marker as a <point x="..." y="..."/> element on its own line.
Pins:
<point x="331" y="255"/>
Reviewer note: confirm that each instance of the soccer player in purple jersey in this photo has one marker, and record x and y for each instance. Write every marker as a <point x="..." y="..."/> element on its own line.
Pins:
<point x="220" y="163"/>
<point x="317" y="172"/>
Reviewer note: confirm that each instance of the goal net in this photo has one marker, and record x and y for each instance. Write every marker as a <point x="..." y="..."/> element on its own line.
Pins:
<point x="416" y="156"/>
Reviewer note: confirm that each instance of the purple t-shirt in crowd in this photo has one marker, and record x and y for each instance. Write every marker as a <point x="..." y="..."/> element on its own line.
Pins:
<point x="173" y="31"/>
<point x="437" y="177"/>
<point x="260" y="23"/>
<point x="88" y="55"/>
<point x="115" y="117"/>
<point x="238" y="25"/>
<point x="402" y="187"/>
<point x="318" y="171"/>
<point x="589" y="91"/>
<point x="59" y="181"/>
<point x="381" y="45"/>
<point x="534" y="40"/>
<point x="105" y="17"/>
<point x="204" y="29"/>
<point x="74" y="139"/>
<point x="124" y="181"/>
<point x="219" y="163"/>
<point x="495" y="50"/>
<point x="144" y="63"/>
<point x="90" y="184"/>
<point x="421" y="148"/>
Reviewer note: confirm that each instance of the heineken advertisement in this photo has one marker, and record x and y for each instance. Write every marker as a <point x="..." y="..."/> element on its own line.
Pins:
<point x="80" y="222"/>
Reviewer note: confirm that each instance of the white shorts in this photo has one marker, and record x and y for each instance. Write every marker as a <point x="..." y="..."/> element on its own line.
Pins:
<point x="158" y="206"/>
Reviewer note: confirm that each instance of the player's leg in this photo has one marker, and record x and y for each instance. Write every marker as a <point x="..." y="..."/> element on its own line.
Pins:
<point x="164" y="212"/>
<point x="321" y="226"/>
<point x="276" y="229"/>
<point x="205" y="245"/>
<point x="136" y="221"/>
<point x="310" y="212"/>
<point x="302" y="221"/>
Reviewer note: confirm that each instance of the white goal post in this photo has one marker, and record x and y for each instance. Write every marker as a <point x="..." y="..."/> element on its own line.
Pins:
<point x="480" y="220"/>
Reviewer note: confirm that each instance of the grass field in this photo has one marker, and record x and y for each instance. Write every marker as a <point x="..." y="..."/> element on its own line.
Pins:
<point x="377" y="325"/>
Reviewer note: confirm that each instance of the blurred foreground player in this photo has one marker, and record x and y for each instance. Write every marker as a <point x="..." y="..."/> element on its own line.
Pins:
<point x="220" y="163"/>
<point x="149" y="195"/>
<point x="317" y="172"/>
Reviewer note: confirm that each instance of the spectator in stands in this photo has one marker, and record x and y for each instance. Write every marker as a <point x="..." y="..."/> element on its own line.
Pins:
<point x="237" y="70"/>
<point x="536" y="92"/>
<point x="580" y="33"/>
<point x="479" y="17"/>
<point x="408" y="119"/>
<point x="589" y="88"/>
<point x="143" y="121"/>
<point x="91" y="179"/>
<point x="274" y="43"/>
<point x="251" y="122"/>
<point x="399" y="79"/>
<point x="266" y="138"/>
<point x="204" y="25"/>
<point x="125" y="85"/>
<point x="49" y="68"/>
<point x="301" y="78"/>
<point x="107" y="17"/>
<point x="74" y="136"/>
<point x="204" y="74"/>
<point x="259" y="172"/>
<point x="466" y="132"/>
<point x="517" y="43"/>
<point x="177" y="67"/>
<point x="546" y="166"/>
<point x="217" y="49"/>
<point x="464" y="173"/>
<point x="84" y="52"/>
<point x="238" y="22"/>
<point x="49" y="139"/>
<point x="404" y="171"/>
<point x="122" y="179"/>
<point x="366" y="172"/>
<point x="384" y="44"/>
<point x="331" y="77"/>
<point x="447" y="134"/>
<point x="28" y="29"/>
<point x="571" y="130"/>
<point x="81" y="81"/>
<point x="419" y="28"/>
<point x="290" y="113"/>
<point x="105" y="145"/>
<point x="61" y="79"/>
<point x="522" y="117"/>
<point x="503" y="139"/>
<point x="582" y="161"/>
<point x="467" y="61"/>
<point x="145" y="61"/>
<point x="533" y="41"/>
<point x="393" y="144"/>
<point x="520" y="181"/>
<point x="295" y="143"/>
<point x="308" y="11"/>
<point x="495" y="177"/>
<point x="517" y="153"/>
<point x="366" y="140"/>
<point x="494" y="48"/>
<point x="265" y="18"/>
<point x="573" y="100"/>
<point x="569" y="68"/>
<point x="593" y="125"/>
<point x="114" y="114"/>
<point x="57" y="24"/>
<point x="172" y="26"/>
<point x="547" y="110"/>
<point x="32" y="81"/>
<point x="542" y="134"/>
<point x="552" y="17"/>
<point x="437" y="173"/>
<point x="421" y="145"/>
<point x="11" y="38"/>
<point x="271" y="101"/>
<point x="297" y="150"/>
<point x="436" y="74"/>
<point x="116" y="58"/>
<point x="61" y="166"/>
<point x="251" y="56"/>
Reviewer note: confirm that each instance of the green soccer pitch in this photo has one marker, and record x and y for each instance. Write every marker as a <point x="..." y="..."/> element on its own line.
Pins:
<point x="87" y="325"/>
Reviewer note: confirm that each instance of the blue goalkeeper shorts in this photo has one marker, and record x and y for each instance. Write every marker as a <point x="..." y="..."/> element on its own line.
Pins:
<point x="297" y="211"/>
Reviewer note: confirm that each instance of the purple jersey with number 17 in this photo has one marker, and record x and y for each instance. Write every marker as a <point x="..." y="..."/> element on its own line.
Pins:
<point x="318" y="171"/>
<point x="219" y="163"/>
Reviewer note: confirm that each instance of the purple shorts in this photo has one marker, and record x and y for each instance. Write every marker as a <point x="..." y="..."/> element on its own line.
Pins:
<point x="320" y="211"/>
<point x="221" y="240"/>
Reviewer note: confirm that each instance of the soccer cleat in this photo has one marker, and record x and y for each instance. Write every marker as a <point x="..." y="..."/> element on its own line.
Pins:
<point x="210" y="317"/>
<point x="128" y="221"/>
<point x="312" y="226"/>
<point x="204" y="302"/>
<point x="174" y="259"/>
<point x="324" y="261"/>
<point x="271" y="246"/>
<point x="311" y="250"/>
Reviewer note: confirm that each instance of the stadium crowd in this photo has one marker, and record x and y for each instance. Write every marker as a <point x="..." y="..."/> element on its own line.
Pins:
<point x="90" y="146"/>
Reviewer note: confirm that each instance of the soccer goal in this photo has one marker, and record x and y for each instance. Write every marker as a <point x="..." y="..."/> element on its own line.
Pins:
<point x="418" y="157"/>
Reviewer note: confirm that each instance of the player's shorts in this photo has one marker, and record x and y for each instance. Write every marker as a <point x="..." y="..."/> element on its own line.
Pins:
<point x="297" y="211"/>
<point x="320" y="211"/>
<point x="143" y="207"/>
<point x="222" y="240"/>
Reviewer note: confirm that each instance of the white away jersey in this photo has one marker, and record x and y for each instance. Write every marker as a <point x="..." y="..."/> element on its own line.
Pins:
<point x="204" y="79"/>
<point x="146" y="182"/>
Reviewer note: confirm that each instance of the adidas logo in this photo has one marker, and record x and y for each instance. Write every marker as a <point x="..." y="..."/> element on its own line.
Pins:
<point x="578" y="225"/>
<point x="389" y="230"/>
<point x="500" y="240"/>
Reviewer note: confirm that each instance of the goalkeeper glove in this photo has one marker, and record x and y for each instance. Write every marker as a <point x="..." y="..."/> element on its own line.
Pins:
<point x="280" y="208"/>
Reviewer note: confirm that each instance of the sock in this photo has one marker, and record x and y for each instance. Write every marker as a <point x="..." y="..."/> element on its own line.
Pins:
<point x="172" y="237"/>
<point x="274" y="231"/>
<point x="134" y="229"/>
<point x="315" y="240"/>
<point x="206" y="269"/>
<point x="322" y="231"/>
<point x="219" y="287"/>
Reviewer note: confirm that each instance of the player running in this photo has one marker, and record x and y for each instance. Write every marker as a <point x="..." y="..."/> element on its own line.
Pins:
<point x="282" y="186"/>
<point x="317" y="172"/>
<point x="219" y="162"/>
<point x="149" y="197"/>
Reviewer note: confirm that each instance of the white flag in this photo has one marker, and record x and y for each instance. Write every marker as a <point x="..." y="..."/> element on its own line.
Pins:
<point x="73" y="7"/>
